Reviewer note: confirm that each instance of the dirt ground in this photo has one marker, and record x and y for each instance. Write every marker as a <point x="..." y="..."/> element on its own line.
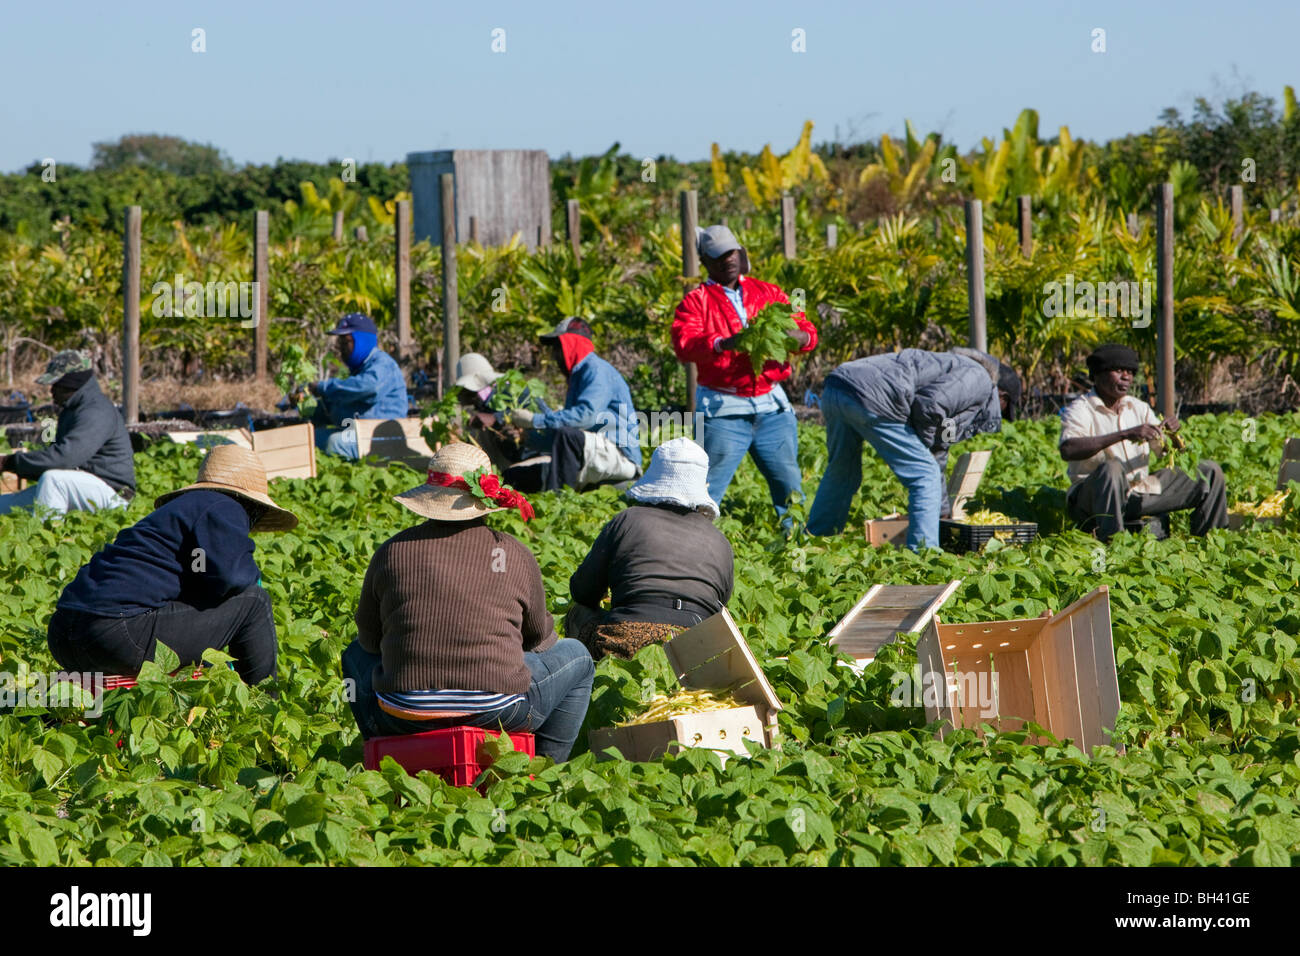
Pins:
<point x="162" y="394"/>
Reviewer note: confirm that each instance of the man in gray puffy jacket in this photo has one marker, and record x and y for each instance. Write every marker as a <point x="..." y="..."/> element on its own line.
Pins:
<point x="910" y="406"/>
<point x="89" y="465"/>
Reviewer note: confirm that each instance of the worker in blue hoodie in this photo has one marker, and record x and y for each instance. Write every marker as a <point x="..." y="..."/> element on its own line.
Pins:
<point x="374" y="387"/>
<point x="594" y="438"/>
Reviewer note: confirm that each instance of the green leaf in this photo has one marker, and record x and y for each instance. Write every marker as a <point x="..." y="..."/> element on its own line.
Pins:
<point x="166" y="658"/>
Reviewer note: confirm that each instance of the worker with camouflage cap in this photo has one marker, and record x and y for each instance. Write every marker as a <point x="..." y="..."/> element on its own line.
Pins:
<point x="88" y="465"/>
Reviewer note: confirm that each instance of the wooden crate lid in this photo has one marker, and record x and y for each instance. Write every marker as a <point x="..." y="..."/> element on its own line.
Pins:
<point x="713" y="655"/>
<point x="885" y="611"/>
<point x="228" y="436"/>
<point x="965" y="480"/>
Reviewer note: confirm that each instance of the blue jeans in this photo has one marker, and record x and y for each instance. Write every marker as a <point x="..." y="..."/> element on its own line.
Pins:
<point x="553" y="709"/>
<point x="341" y="442"/>
<point x="848" y="424"/>
<point x="63" y="490"/>
<point x="773" y="442"/>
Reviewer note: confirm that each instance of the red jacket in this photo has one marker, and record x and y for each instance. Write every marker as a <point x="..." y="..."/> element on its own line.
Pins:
<point x="706" y="314"/>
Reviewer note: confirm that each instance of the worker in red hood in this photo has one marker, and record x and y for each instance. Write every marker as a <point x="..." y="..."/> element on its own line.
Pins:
<point x="595" y="436"/>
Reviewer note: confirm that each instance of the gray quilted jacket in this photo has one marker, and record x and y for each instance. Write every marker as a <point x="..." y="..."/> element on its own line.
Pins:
<point x="924" y="390"/>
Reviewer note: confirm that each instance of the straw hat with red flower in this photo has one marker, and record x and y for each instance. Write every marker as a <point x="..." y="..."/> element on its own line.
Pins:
<point x="461" y="486"/>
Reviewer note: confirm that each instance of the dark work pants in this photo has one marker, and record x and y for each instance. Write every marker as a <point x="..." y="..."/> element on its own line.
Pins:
<point x="568" y="451"/>
<point x="1103" y="499"/>
<point x="241" y="625"/>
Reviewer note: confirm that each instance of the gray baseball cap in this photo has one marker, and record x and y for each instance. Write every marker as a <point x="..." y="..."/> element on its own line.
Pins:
<point x="716" y="241"/>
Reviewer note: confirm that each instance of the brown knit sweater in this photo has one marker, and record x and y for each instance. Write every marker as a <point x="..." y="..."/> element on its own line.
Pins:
<point x="453" y="605"/>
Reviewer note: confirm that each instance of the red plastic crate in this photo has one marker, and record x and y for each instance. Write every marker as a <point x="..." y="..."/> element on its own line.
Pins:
<point x="454" y="753"/>
<point x="125" y="681"/>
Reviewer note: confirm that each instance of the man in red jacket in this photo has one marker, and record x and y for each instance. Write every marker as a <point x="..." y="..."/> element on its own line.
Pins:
<point x="743" y="412"/>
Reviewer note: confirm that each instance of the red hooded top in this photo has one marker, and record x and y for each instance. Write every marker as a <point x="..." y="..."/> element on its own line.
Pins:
<point x="706" y="315"/>
<point x="575" y="348"/>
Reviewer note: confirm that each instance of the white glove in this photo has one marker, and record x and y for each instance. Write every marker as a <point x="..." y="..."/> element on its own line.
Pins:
<point x="521" y="418"/>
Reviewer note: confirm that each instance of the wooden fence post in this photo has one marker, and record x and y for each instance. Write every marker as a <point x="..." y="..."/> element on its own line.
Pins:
<point x="979" y="338"/>
<point x="1134" y="227"/>
<point x="688" y="201"/>
<point x="402" y="268"/>
<point x="262" y="278"/>
<point x="450" y="302"/>
<point x="1165" y="298"/>
<point x="1235" y="201"/>
<point x="360" y="234"/>
<point x="832" y="236"/>
<point x="338" y="226"/>
<point x="1275" y="215"/>
<point x="131" y="316"/>
<point x="787" y="227"/>
<point x="1025" y="219"/>
<point x="573" y="220"/>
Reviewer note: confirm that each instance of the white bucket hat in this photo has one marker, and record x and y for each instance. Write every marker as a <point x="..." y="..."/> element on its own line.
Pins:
<point x="475" y="372"/>
<point x="678" y="475"/>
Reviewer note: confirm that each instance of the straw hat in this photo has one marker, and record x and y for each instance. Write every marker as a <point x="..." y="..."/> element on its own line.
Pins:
<point x="238" y="471"/>
<point x="678" y="475"/>
<point x="450" y="504"/>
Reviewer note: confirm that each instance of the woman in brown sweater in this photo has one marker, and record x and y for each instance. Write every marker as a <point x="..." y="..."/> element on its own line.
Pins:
<point x="452" y="624"/>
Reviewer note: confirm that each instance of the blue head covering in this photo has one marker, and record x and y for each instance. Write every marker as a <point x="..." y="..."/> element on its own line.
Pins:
<point x="363" y="343"/>
<point x="365" y="336"/>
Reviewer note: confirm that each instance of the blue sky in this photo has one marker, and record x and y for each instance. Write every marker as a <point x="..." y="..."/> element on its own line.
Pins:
<point x="374" y="80"/>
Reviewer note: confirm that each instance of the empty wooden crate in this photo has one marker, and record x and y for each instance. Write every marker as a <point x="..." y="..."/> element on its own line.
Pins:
<point x="288" y="452"/>
<point x="710" y="656"/>
<point x="885" y="611"/>
<point x="1057" y="671"/>
<point x="962" y="485"/>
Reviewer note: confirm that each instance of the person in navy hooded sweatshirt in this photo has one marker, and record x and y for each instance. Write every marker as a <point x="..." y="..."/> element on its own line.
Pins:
<point x="374" y="387"/>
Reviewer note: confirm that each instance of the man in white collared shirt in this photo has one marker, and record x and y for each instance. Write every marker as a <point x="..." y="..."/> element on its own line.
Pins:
<point x="1106" y="437"/>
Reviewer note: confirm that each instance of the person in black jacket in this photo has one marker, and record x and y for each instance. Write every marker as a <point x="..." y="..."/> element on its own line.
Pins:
<point x="183" y="576"/>
<point x="662" y="562"/>
<point x="89" y="465"/>
<point x="911" y="406"/>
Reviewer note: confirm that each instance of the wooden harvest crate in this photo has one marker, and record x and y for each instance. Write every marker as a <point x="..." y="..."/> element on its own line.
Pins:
<point x="713" y="655"/>
<point x="885" y="611"/>
<point x="891" y="529"/>
<point x="288" y="452"/>
<point x="962" y="485"/>
<point x="1057" y="671"/>
<point x="965" y="480"/>
<point x="393" y="439"/>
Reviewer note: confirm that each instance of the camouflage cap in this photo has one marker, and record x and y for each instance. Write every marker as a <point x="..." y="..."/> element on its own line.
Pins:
<point x="69" y="360"/>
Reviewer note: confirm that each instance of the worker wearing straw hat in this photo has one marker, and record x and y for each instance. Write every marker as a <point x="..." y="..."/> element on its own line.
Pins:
<point x="452" y="623"/>
<point x="182" y="576"/>
<point x="662" y="561"/>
